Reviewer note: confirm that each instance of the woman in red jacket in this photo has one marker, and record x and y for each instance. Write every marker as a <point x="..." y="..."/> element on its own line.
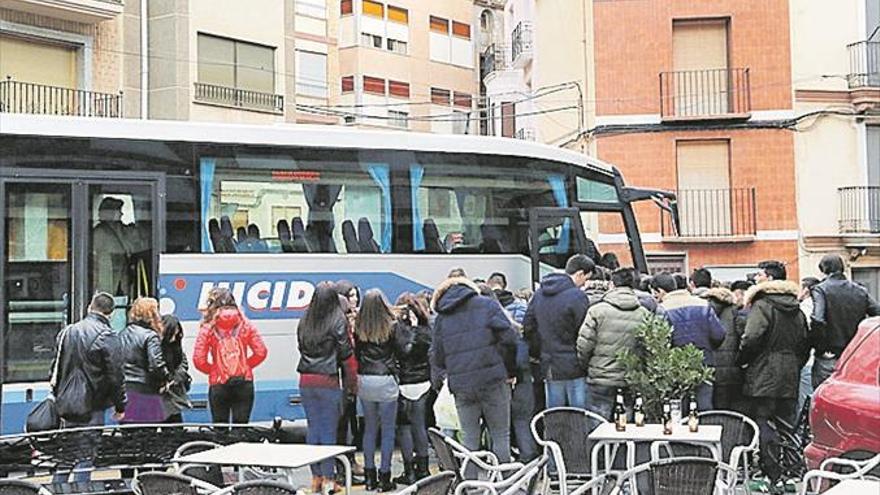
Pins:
<point x="226" y="335"/>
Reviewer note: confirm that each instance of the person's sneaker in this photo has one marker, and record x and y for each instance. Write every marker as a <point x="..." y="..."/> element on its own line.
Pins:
<point x="759" y="485"/>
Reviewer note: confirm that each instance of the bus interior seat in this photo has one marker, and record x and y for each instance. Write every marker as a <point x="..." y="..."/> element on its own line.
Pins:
<point x="214" y="234"/>
<point x="466" y="249"/>
<point x="433" y="244"/>
<point x="240" y="235"/>
<point x="491" y="240"/>
<point x="284" y="236"/>
<point x="298" y="236"/>
<point x="254" y="242"/>
<point x="349" y="235"/>
<point x="319" y="237"/>
<point x="227" y="236"/>
<point x="365" y="237"/>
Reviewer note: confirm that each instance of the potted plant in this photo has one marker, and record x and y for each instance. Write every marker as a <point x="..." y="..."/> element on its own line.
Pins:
<point x="659" y="371"/>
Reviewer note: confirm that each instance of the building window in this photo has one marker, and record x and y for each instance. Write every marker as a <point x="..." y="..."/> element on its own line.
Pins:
<point x="398" y="119"/>
<point x="452" y="47"/>
<point x="873" y="140"/>
<point x="461" y="29"/>
<point x="397" y="14"/>
<point x="397" y="46"/>
<point x="463" y="100"/>
<point x="440" y="96"/>
<point x="704" y="188"/>
<point x="439" y="25"/>
<point x="461" y="122"/>
<point x="347" y="84"/>
<point x="397" y="88"/>
<point x="371" y="40"/>
<point x="311" y="74"/>
<point x="374" y="85"/>
<point x="313" y="8"/>
<point x="346" y="7"/>
<point x="236" y="64"/>
<point x="374" y="9"/>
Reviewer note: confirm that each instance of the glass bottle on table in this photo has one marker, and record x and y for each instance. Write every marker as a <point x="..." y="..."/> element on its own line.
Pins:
<point x="693" y="419"/>
<point x="667" y="418"/>
<point x="619" y="412"/>
<point x="639" y="411"/>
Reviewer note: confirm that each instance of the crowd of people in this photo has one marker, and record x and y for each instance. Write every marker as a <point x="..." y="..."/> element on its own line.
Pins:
<point x="371" y="371"/>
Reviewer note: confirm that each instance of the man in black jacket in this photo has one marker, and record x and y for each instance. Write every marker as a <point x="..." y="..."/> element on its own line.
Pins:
<point x="88" y="349"/>
<point x="838" y="307"/>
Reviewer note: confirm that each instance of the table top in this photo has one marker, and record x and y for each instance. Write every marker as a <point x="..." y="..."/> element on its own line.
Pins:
<point x="654" y="432"/>
<point x="854" y="487"/>
<point x="278" y="455"/>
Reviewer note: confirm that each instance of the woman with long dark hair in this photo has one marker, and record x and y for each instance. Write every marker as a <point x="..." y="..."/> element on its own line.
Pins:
<point x="349" y="430"/>
<point x="377" y="350"/>
<point x="324" y="348"/>
<point x="144" y="365"/>
<point x="174" y="394"/>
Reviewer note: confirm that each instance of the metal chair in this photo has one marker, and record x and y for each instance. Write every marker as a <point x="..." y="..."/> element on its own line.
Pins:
<point x="565" y="432"/>
<point x="210" y="474"/>
<point x="526" y="481"/>
<point x="162" y="483"/>
<point x="606" y="484"/>
<point x="21" y="487"/>
<point x="437" y="484"/>
<point x="467" y="464"/>
<point x="859" y="470"/>
<point x="259" y="487"/>
<point x="739" y="440"/>
<point x="683" y="476"/>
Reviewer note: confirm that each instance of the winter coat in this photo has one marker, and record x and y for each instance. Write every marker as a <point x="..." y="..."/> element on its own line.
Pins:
<point x="327" y="356"/>
<point x="474" y="342"/>
<point x="609" y="328"/>
<point x="208" y="339"/>
<point x="551" y="326"/>
<point x="91" y="346"/>
<point x="175" y="399"/>
<point x="514" y="306"/>
<point x="142" y="358"/>
<point x="413" y="364"/>
<point x="838" y="307"/>
<point x="774" y="346"/>
<point x="727" y="372"/>
<point x="693" y="322"/>
<point x="380" y="358"/>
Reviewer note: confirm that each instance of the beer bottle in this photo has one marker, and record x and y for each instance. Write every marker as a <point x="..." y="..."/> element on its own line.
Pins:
<point x="638" y="411"/>
<point x="667" y="419"/>
<point x="693" y="420"/>
<point x="619" y="412"/>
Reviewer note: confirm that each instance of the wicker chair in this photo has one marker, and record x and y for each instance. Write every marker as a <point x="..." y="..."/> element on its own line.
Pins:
<point x="162" y="483"/>
<point x="210" y="474"/>
<point x="565" y="432"/>
<point x="455" y="457"/>
<point x="857" y="470"/>
<point x="259" y="487"/>
<point x="606" y="484"/>
<point x="526" y="481"/>
<point x="21" y="487"/>
<point x="683" y="476"/>
<point x="438" y="484"/>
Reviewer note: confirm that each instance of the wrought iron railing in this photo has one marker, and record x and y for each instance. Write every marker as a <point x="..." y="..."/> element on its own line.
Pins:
<point x="705" y="93"/>
<point x="42" y="99"/>
<point x="859" y="209"/>
<point x="521" y="40"/>
<point x="526" y="134"/>
<point x="494" y="58"/>
<point x="864" y="64"/>
<point x="242" y="98"/>
<point x="713" y="213"/>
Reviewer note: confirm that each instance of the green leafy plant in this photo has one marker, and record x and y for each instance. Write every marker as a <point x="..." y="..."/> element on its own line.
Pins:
<point x="659" y="371"/>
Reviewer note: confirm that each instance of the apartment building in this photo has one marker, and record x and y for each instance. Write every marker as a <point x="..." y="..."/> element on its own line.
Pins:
<point x="836" y="74"/>
<point x="695" y="97"/>
<point x="78" y="46"/>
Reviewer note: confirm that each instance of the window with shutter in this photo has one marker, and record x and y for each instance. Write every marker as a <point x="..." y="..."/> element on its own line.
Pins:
<point x="440" y="96"/>
<point x="374" y="85"/>
<point x="398" y="88"/>
<point x="439" y="25"/>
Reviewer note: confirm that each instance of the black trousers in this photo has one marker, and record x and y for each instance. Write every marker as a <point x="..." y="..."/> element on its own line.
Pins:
<point x="234" y="399"/>
<point x="763" y="409"/>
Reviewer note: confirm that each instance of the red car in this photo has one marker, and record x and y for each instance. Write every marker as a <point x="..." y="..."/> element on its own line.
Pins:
<point x="845" y="417"/>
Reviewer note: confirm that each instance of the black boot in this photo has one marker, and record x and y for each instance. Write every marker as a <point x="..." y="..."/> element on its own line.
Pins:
<point x="408" y="477"/>
<point x="385" y="483"/>
<point x="421" y="467"/>
<point x="370" y="483"/>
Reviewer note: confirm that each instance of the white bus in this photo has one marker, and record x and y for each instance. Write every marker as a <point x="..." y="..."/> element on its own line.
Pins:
<point x="170" y="209"/>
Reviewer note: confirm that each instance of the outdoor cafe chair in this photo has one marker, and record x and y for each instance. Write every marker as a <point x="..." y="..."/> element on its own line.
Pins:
<point x="162" y="483"/>
<point x="682" y="476"/>
<point x="467" y="464"/>
<point x="858" y="469"/>
<point x="565" y="432"/>
<point x="606" y="484"/>
<point x="437" y="484"/>
<point x="259" y="487"/>
<point x="211" y="474"/>
<point x="526" y="481"/>
<point x="21" y="487"/>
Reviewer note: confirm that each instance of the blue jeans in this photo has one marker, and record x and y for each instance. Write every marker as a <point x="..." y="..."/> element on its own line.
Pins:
<point x="322" y="407"/>
<point x="805" y="389"/>
<point x="82" y="470"/>
<point x="492" y="404"/>
<point x="413" y="434"/>
<point x="602" y="400"/>
<point x="522" y="407"/>
<point x="376" y="415"/>
<point x="571" y="393"/>
<point x="822" y="369"/>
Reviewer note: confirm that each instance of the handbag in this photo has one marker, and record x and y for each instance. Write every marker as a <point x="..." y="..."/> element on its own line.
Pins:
<point x="44" y="417"/>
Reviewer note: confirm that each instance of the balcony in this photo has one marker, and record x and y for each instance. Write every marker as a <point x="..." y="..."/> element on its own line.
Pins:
<point x="40" y="99"/>
<point x="712" y="215"/>
<point x="859" y="209"/>
<point x="495" y="57"/>
<point x="239" y="98"/>
<point x="521" y="44"/>
<point x="708" y="94"/>
<point x="526" y="134"/>
<point x="85" y="11"/>
<point x="864" y="65"/>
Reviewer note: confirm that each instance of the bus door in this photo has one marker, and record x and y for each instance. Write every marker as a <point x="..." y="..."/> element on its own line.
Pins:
<point x="64" y="238"/>
<point x="555" y="234"/>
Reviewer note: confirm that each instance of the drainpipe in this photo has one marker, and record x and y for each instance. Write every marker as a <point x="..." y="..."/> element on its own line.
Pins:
<point x="145" y="63"/>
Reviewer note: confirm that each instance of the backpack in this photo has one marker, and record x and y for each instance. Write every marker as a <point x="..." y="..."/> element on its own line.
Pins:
<point x="231" y="357"/>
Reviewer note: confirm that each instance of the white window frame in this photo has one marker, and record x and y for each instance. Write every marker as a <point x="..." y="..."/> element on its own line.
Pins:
<point x="312" y="8"/>
<point x="306" y="85"/>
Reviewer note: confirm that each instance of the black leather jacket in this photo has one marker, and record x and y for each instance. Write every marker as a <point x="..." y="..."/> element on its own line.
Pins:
<point x="382" y="358"/>
<point x="92" y="346"/>
<point x="838" y="307"/>
<point x="143" y="362"/>
<point x="326" y="357"/>
<point x="414" y="365"/>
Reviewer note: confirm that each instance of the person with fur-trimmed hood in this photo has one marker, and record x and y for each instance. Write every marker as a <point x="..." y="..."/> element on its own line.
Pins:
<point x="774" y="348"/>
<point x="474" y="346"/>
